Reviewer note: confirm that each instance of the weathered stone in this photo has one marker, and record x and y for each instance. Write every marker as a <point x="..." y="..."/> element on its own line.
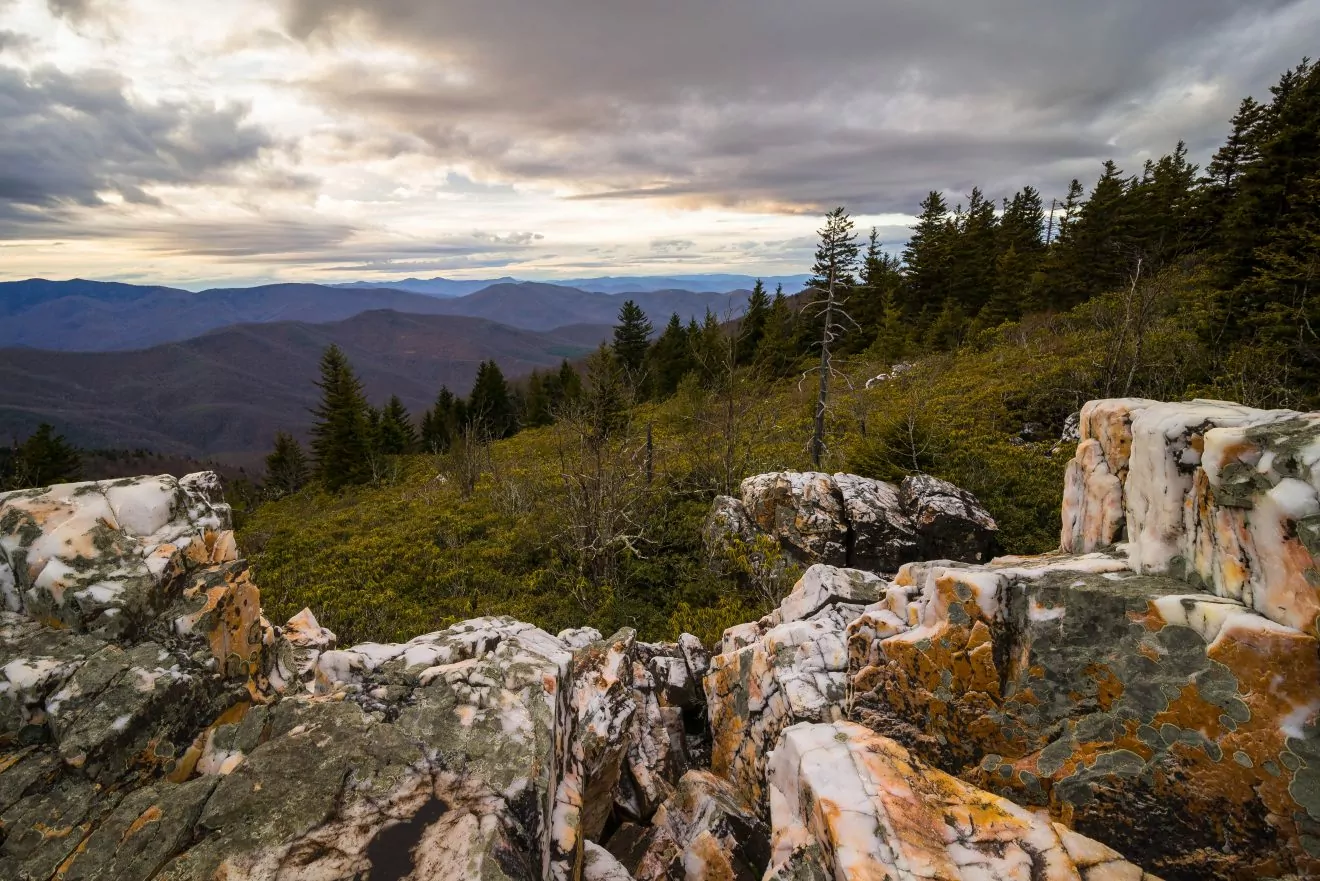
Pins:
<point x="704" y="832"/>
<point x="872" y="811"/>
<point x="1134" y="712"/>
<point x="949" y="522"/>
<point x="306" y="639"/>
<point x="1225" y="495"/>
<point x="847" y="520"/>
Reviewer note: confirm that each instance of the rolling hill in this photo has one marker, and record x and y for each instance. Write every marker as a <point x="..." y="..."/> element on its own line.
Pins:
<point x="89" y="316"/>
<point x="226" y="393"/>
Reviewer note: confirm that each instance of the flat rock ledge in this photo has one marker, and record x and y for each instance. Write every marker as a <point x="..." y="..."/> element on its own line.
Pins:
<point x="1142" y="703"/>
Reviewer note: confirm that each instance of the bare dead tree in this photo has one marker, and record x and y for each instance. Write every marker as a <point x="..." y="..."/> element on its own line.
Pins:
<point x="836" y="260"/>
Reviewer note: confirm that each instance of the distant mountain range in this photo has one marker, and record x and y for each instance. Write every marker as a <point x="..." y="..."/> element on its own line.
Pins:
<point x="716" y="283"/>
<point x="226" y="393"/>
<point x="91" y="316"/>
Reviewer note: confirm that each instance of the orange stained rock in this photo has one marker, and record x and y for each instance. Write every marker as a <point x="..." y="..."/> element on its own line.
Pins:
<point x="146" y="818"/>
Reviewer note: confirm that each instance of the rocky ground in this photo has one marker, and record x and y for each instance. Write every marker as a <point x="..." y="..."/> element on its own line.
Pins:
<point x="1143" y="701"/>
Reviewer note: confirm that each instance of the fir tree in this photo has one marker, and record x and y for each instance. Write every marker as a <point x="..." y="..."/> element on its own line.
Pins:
<point x="927" y="261"/>
<point x="440" y="424"/>
<point x="286" y="467"/>
<point x="778" y="355"/>
<point x="569" y="382"/>
<point x="836" y="261"/>
<point x="45" y="458"/>
<point x="752" y="326"/>
<point x="881" y="278"/>
<point x="632" y="337"/>
<point x="341" y="435"/>
<point x="395" y="434"/>
<point x="670" y="358"/>
<point x="490" y="410"/>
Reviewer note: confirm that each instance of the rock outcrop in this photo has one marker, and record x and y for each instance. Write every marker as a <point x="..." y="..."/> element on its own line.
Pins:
<point x="846" y="520"/>
<point x="847" y="803"/>
<point x="1144" y="700"/>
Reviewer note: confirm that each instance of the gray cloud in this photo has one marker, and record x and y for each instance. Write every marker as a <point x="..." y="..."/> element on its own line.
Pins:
<point x="800" y="106"/>
<point x="68" y="140"/>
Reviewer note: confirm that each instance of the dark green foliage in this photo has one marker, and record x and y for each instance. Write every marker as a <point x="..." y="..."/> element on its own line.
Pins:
<point x="395" y="433"/>
<point x="440" y="423"/>
<point x="286" y="467"/>
<point x="341" y="434"/>
<point x="752" y="326"/>
<point x="778" y="355"/>
<point x="670" y="358"/>
<point x="632" y="336"/>
<point x="490" y="407"/>
<point x="43" y="459"/>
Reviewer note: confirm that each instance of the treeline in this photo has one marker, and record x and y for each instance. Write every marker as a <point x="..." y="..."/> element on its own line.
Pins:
<point x="1241" y="236"/>
<point x="44" y="458"/>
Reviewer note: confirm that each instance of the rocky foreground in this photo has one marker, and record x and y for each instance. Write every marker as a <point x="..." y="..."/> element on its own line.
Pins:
<point x="1143" y="701"/>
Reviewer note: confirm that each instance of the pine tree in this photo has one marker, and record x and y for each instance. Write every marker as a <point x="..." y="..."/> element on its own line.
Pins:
<point x="45" y="458"/>
<point x="927" y="261"/>
<point x="836" y="261"/>
<point x="569" y="382"/>
<point x="490" y="410"/>
<point x="974" y="253"/>
<point x="440" y="424"/>
<point x="632" y="337"/>
<point x="752" y="326"/>
<point x="670" y="358"/>
<point x="778" y="355"/>
<point x="395" y="434"/>
<point x="286" y="467"/>
<point x="881" y="278"/>
<point x="341" y="435"/>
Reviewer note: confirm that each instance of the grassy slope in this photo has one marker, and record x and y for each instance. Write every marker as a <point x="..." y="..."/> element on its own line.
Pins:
<point x="395" y="560"/>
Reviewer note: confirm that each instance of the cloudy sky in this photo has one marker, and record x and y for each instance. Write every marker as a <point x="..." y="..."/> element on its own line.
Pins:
<point x="203" y="141"/>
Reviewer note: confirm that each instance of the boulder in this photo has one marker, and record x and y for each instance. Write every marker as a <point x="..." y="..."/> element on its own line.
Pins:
<point x="792" y="669"/>
<point x="847" y="520"/>
<point x="1223" y="495"/>
<point x="848" y="804"/>
<point x="1178" y="728"/>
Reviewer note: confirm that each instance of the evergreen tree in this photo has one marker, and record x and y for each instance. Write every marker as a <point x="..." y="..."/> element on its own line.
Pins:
<point x="45" y="458"/>
<point x="778" y="355"/>
<point x="836" y="261"/>
<point x="881" y="278"/>
<point x="490" y="409"/>
<point x="440" y="424"/>
<point x="632" y="337"/>
<point x="539" y="405"/>
<point x="569" y="382"/>
<point x="606" y="394"/>
<point x="927" y="261"/>
<point x="286" y="467"/>
<point x="670" y="358"/>
<point x="752" y="327"/>
<point x="975" y="252"/>
<point x="395" y="434"/>
<point x="341" y="434"/>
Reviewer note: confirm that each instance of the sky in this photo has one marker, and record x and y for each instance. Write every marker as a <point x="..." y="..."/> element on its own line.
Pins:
<point x="194" y="142"/>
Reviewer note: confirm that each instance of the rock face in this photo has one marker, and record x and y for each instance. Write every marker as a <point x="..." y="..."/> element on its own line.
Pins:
<point x="849" y="804"/>
<point x="846" y="520"/>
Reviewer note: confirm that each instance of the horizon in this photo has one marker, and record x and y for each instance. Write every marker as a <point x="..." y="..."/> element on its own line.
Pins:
<point x="331" y="142"/>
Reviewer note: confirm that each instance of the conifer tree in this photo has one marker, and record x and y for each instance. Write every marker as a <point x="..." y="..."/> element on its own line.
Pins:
<point x="286" y="467"/>
<point x="440" y="424"/>
<point x="752" y="326"/>
<point x="395" y="434"/>
<point x="569" y="382"/>
<point x="670" y="358"/>
<point x="45" y="458"/>
<point x="632" y="337"/>
<point x="341" y="434"/>
<point x="881" y="278"/>
<point x="927" y="261"/>
<point x="778" y="355"/>
<point x="490" y="409"/>
<point x="836" y="261"/>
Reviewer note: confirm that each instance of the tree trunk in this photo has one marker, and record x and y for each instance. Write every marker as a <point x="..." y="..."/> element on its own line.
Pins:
<point x="818" y="435"/>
